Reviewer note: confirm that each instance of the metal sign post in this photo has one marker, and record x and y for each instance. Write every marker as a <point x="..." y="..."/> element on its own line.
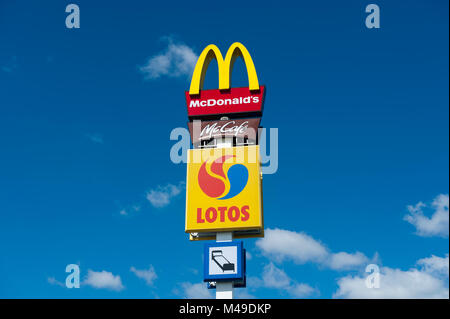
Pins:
<point x="224" y="290"/>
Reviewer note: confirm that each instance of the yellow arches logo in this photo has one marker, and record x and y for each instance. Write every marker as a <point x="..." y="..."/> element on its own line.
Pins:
<point x="225" y="67"/>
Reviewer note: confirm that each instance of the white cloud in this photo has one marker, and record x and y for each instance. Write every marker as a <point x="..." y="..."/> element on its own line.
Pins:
<point x="54" y="281"/>
<point x="123" y="212"/>
<point x="95" y="138"/>
<point x="284" y="244"/>
<point x="176" y="60"/>
<point x="396" y="283"/>
<point x="302" y="291"/>
<point x="437" y="266"/>
<point x="248" y="256"/>
<point x="194" y="271"/>
<point x="149" y="275"/>
<point x="437" y="224"/>
<point x="242" y="293"/>
<point x="346" y="261"/>
<point x="161" y="196"/>
<point x="10" y="66"/>
<point x="128" y="211"/>
<point x="195" y="291"/>
<point x="280" y="244"/>
<point x="200" y="291"/>
<point x="275" y="278"/>
<point x="103" y="280"/>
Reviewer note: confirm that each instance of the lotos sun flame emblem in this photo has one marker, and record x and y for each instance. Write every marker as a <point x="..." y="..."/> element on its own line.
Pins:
<point x="216" y="183"/>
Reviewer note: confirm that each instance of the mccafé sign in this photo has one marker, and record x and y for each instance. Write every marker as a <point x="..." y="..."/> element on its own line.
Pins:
<point x="225" y="100"/>
<point x="223" y="190"/>
<point x="205" y="130"/>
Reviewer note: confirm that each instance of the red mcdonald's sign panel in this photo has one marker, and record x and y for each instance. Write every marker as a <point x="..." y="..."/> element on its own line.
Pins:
<point x="234" y="100"/>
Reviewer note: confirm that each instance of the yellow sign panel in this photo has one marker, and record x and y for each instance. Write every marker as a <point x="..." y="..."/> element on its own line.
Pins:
<point x="223" y="190"/>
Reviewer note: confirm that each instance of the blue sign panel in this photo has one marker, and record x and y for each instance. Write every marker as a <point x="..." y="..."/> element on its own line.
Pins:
<point x="224" y="261"/>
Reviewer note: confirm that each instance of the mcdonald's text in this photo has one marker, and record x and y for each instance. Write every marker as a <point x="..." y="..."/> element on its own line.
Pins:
<point x="235" y="100"/>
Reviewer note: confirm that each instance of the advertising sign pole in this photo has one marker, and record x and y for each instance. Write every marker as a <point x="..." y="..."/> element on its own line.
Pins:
<point x="224" y="289"/>
<point x="224" y="187"/>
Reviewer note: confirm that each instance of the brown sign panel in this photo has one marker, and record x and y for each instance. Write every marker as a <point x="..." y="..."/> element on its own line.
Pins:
<point x="205" y="130"/>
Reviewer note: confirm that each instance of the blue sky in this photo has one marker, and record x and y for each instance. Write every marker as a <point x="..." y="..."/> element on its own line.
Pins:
<point x="85" y="173"/>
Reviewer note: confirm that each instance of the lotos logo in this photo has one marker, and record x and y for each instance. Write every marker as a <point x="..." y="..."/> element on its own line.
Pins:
<point x="216" y="183"/>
